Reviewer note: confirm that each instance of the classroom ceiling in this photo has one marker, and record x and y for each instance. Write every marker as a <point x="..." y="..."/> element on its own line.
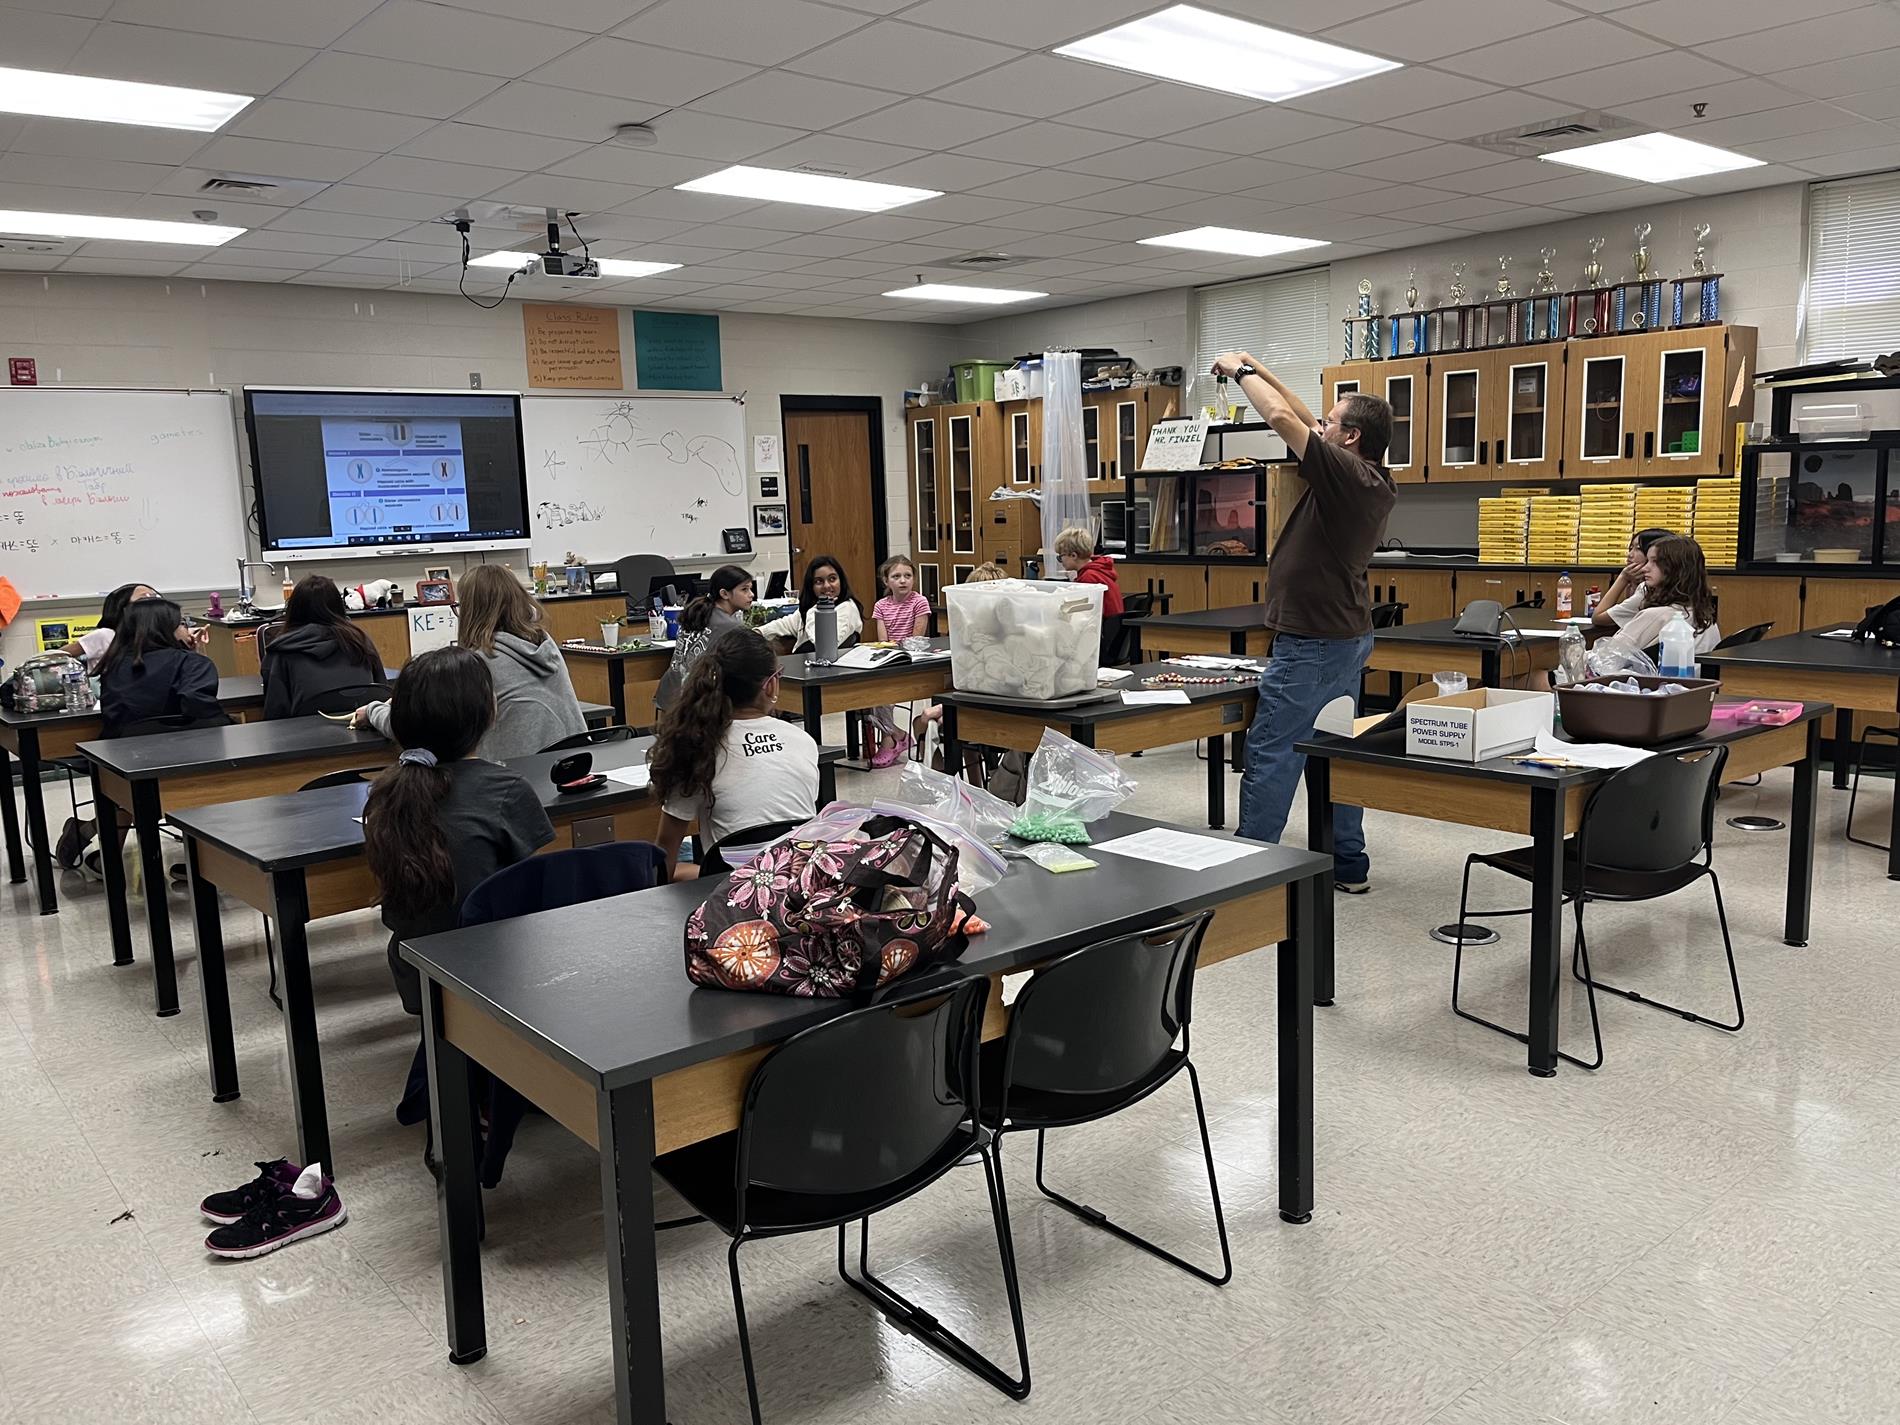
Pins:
<point x="378" y="116"/>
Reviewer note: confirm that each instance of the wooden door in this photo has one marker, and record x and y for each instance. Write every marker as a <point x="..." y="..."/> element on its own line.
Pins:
<point x="959" y="486"/>
<point x="1603" y="407"/>
<point x="1742" y="601"/>
<point x="828" y="472"/>
<point x="1458" y="417"/>
<point x="1525" y="413"/>
<point x="1685" y="401"/>
<point x="1022" y="440"/>
<point x="1426" y="593"/>
<point x="1831" y="601"/>
<point x="926" y="503"/>
<point x="1405" y="384"/>
<point x="1123" y="433"/>
<point x="1231" y="586"/>
<point x="1348" y="378"/>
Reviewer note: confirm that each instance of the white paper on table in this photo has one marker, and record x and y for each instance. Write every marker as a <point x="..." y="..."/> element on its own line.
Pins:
<point x="1836" y="633"/>
<point x="1533" y="632"/>
<point x="1591" y="754"/>
<point x="1215" y="662"/>
<point x="639" y="775"/>
<point x="1113" y="675"/>
<point x="1146" y="697"/>
<point x="1178" y="848"/>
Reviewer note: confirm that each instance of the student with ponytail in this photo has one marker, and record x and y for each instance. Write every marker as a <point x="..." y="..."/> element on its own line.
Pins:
<point x="441" y="820"/>
<point x="722" y="758"/>
<point x="717" y="611"/>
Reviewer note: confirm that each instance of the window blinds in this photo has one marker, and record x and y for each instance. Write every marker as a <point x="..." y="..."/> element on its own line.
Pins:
<point x="1853" y="299"/>
<point x="1282" y="320"/>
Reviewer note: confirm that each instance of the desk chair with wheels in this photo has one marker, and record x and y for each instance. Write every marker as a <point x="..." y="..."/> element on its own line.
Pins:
<point x="1092" y="1033"/>
<point x="807" y="1158"/>
<point x="634" y="575"/>
<point x="1639" y="840"/>
<point x="592" y="737"/>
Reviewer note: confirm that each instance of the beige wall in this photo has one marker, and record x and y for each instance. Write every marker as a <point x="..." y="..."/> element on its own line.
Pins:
<point x="153" y="332"/>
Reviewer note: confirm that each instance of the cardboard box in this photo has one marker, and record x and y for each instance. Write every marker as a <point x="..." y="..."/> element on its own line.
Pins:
<point x="1474" y="726"/>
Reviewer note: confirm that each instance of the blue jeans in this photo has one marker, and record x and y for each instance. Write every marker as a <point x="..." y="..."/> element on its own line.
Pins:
<point x="1303" y="675"/>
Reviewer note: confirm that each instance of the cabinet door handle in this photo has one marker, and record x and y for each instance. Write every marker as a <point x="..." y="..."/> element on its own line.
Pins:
<point x="1649" y="444"/>
<point x="1629" y="445"/>
<point x="1484" y="452"/>
<point x="1500" y="455"/>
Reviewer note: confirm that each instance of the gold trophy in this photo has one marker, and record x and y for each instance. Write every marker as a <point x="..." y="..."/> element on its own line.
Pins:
<point x="1546" y="279"/>
<point x="1701" y="234"/>
<point x="1504" y="278"/>
<point x="1643" y="231"/>
<point x="1593" y="269"/>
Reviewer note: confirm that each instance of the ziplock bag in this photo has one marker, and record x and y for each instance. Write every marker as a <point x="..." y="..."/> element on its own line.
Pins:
<point x="1069" y="786"/>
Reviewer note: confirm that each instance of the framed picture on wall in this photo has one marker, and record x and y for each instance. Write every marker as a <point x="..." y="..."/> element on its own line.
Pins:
<point x="442" y="573"/>
<point x="768" y="519"/>
<point x="768" y="487"/>
<point x="434" y="591"/>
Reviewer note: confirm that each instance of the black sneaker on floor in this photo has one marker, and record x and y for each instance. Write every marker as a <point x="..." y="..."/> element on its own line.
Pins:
<point x="273" y="1180"/>
<point x="278" y="1223"/>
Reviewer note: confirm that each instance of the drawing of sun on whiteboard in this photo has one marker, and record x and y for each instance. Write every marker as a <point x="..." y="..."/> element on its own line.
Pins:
<point x="395" y="475"/>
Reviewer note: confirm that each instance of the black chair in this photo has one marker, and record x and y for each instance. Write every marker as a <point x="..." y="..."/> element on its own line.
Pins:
<point x="634" y="575"/>
<point x="1388" y="615"/>
<point x="1860" y="756"/>
<point x="1117" y="641"/>
<point x="807" y="1157"/>
<point x="1638" y="841"/>
<point x="592" y="737"/>
<point x="1093" y="1032"/>
<point x="1753" y="634"/>
<point x="712" y="860"/>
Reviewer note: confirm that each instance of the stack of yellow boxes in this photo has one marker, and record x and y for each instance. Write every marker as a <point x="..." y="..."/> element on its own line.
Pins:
<point x="1666" y="507"/>
<point x="1503" y="529"/>
<point x="1554" y="523"/>
<point x="1718" y="514"/>
<point x="1609" y="518"/>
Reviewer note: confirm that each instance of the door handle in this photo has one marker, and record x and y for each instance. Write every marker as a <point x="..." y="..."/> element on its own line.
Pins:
<point x="1629" y="445"/>
<point x="1649" y="444"/>
<point x="1500" y="454"/>
<point x="1484" y="452"/>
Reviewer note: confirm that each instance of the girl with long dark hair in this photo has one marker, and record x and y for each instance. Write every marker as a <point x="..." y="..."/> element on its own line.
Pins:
<point x="718" y="611"/>
<point x="149" y="680"/>
<point x="92" y="645"/>
<point x="824" y="583"/>
<point x="317" y="660"/>
<point x="442" y="820"/>
<point x="1675" y="580"/>
<point x="722" y="758"/>
<point x="1627" y="594"/>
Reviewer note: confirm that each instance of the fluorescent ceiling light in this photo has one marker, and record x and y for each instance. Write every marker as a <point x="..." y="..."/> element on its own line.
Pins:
<point x="90" y="225"/>
<point x="115" y="101"/>
<point x="1193" y="46"/>
<point x="815" y="190"/>
<point x="1653" y="158"/>
<point x="609" y="266"/>
<point x="979" y="296"/>
<point x="1238" y="241"/>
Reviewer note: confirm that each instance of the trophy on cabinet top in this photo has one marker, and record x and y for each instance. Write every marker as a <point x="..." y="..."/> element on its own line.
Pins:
<point x="1504" y="278"/>
<point x="1701" y="234"/>
<point x="1457" y="284"/>
<point x="1593" y="269"/>
<point x="1411" y="285"/>
<point x="1643" y="231"/>
<point x="1546" y="279"/>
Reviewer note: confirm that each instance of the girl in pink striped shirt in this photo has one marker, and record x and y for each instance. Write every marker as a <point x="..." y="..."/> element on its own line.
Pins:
<point x="900" y="614"/>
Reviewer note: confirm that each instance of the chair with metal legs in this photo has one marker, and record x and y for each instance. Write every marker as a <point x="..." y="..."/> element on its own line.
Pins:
<point x="808" y="1157"/>
<point x="1092" y="1033"/>
<point x="1853" y="795"/>
<point x="1639" y="840"/>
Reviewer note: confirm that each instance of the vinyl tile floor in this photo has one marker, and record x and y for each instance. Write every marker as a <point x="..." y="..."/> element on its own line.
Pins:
<point x="1706" y="1231"/>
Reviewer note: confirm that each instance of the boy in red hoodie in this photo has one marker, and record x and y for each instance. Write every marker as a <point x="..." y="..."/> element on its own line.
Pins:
<point x="1075" y="551"/>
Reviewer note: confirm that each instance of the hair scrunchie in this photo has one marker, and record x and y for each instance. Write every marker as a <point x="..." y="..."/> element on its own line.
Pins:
<point x="418" y="757"/>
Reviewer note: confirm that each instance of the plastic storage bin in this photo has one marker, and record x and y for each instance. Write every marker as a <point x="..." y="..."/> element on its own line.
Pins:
<point x="1633" y="719"/>
<point x="1024" y="638"/>
<point x="976" y="380"/>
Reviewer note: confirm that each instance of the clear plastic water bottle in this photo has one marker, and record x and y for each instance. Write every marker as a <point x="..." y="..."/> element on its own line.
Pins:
<point x="1678" y="648"/>
<point x="1563" y="594"/>
<point x="77" y="688"/>
<point x="1573" y="658"/>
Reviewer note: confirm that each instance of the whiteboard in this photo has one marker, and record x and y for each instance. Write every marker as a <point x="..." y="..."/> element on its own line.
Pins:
<point x="100" y="488"/>
<point x="431" y="626"/>
<point x="610" y="476"/>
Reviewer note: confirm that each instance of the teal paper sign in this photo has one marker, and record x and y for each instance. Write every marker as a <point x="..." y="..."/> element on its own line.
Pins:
<point x="676" y="351"/>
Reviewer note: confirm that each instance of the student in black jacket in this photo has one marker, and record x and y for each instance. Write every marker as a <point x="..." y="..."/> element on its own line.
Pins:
<point x="317" y="660"/>
<point x="149" y="682"/>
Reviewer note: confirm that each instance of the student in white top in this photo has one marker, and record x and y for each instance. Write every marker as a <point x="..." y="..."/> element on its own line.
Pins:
<point x="722" y="758"/>
<point x="1625" y="596"/>
<point x="92" y="645"/>
<point x="1675" y="580"/>
<point x="824" y="582"/>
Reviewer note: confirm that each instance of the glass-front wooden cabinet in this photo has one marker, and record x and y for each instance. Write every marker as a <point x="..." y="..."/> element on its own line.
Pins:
<point x="1461" y="451"/>
<point x="957" y="456"/>
<point x="1604" y="408"/>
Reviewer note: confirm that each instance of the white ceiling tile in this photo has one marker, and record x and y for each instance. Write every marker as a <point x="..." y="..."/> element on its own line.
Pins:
<point x="377" y="203"/>
<point x="1842" y="76"/>
<point x="269" y="158"/>
<point x="1266" y="128"/>
<point x="890" y="227"/>
<point x="1512" y="172"/>
<point x="360" y="81"/>
<point x="1563" y="49"/>
<point x="691" y="134"/>
<point x="623" y="69"/>
<point x="78" y="139"/>
<point x="155" y="56"/>
<point x="230" y="272"/>
<point x="1507" y="219"/>
<point x="39" y="41"/>
<point x="294" y="121"/>
<point x="105" y="173"/>
<point x="857" y="158"/>
<point x="1747" y="130"/>
<point x="964" y="208"/>
<point x="282" y="259"/>
<point x="432" y="34"/>
<point x="1142" y="198"/>
<point x="788" y="217"/>
<point x="952" y="172"/>
<point x="1235" y="175"/>
<point x="121" y="267"/>
<point x="1141" y="162"/>
<point x="1559" y="189"/>
<point x="1057" y="218"/>
<point x="500" y="148"/>
<point x="928" y="123"/>
<point x="587" y="195"/>
<point x="726" y="236"/>
<point x="555" y="113"/>
<point x="822" y="245"/>
<point x="1388" y="198"/>
<point x="767" y="261"/>
<point x="296" y="24"/>
<point x="1674" y="73"/>
<point x="1427" y="29"/>
<point x="1423" y="165"/>
<point x="687" y="207"/>
<point x="1349" y="146"/>
<point x="1049" y="185"/>
<point x="1693" y="24"/>
<point x="593" y="16"/>
<point x="1847" y="138"/>
<point x="1883" y="103"/>
<point x="1471" y="117"/>
<point x="284" y="240"/>
<point x="1043" y="145"/>
<point x="617" y="233"/>
<point x="1398" y="91"/>
<point x="1162" y="109"/>
<point x="1453" y="210"/>
<point x="464" y="181"/>
<point x="1040" y="85"/>
<point x="1033" y="26"/>
<point x="636" y="167"/>
<point x="776" y="96"/>
<point x="86" y="9"/>
<point x="903" y="57"/>
<point x="754" y="31"/>
<point x="1767" y="175"/>
<point x="338" y="224"/>
<point x="1770" y="52"/>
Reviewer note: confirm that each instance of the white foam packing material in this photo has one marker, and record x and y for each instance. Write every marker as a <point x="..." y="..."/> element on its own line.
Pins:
<point x="1023" y="638"/>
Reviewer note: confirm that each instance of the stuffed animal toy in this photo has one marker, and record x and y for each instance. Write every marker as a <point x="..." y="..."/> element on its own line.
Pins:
<point x="373" y="595"/>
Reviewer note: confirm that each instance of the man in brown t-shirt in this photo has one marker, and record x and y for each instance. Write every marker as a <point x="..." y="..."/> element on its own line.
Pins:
<point x="1318" y="605"/>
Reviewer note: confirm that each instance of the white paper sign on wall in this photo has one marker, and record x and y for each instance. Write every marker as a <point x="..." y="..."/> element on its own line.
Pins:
<point x="1176" y="445"/>
<point x="765" y="457"/>
<point x="431" y="626"/>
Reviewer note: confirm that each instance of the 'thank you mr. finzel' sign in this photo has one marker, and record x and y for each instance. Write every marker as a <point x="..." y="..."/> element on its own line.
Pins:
<point x="1176" y="445"/>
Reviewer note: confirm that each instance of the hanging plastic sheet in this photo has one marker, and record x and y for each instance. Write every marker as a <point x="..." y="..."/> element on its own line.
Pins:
<point x="1065" y="491"/>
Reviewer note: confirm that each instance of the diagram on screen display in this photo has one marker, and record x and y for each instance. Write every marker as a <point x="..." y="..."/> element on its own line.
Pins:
<point x="395" y="475"/>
